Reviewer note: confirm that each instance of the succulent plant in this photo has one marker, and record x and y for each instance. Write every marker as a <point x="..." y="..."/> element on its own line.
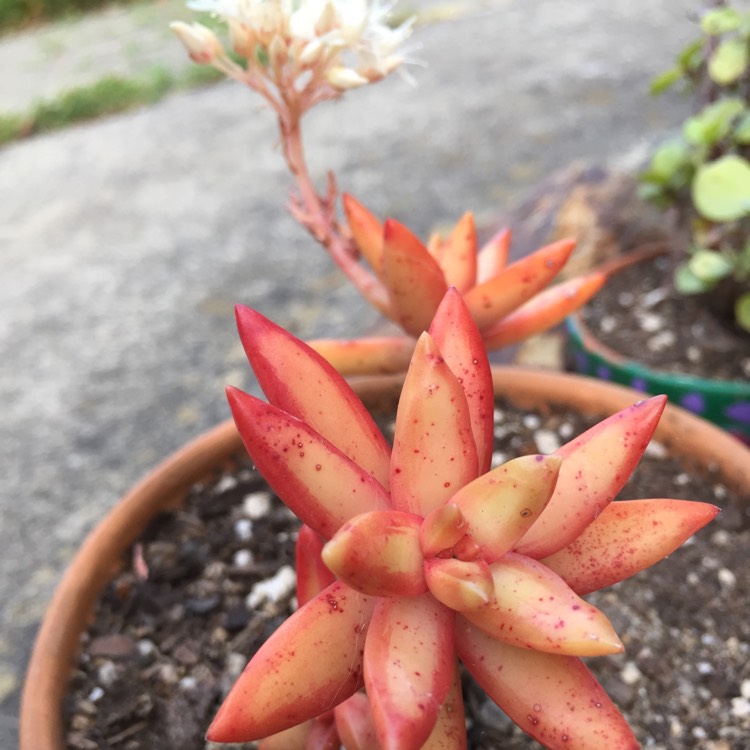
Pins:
<point x="424" y="556"/>
<point x="704" y="173"/>
<point x="508" y="302"/>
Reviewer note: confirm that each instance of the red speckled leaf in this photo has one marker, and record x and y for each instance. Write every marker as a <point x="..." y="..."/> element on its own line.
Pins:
<point x="457" y="255"/>
<point x="628" y="536"/>
<point x="434" y="452"/>
<point x="315" y="480"/>
<point x="546" y="309"/>
<point x="450" y="729"/>
<point x="311" y="663"/>
<point x="408" y="666"/>
<point x="493" y="256"/>
<point x="372" y="355"/>
<point x="460" y="343"/>
<point x="367" y="232"/>
<point x="301" y="382"/>
<point x="379" y="553"/>
<point x="499" y="296"/>
<point x="595" y="467"/>
<point x="553" y="698"/>
<point x="535" y="609"/>
<point x="312" y="574"/>
<point x="500" y="506"/>
<point x="355" y="725"/>
<point x="415" y="283"/>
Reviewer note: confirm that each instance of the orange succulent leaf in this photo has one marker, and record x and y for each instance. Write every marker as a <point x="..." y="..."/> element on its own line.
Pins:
<point x="310" y="663"/>
<point x="595" y="467"/>
<point x="459" y="584"/>
<point x="450" y="728"/>
<point x="458" y="254"/>
<point x="534" y="608"/>
<point x="499" y="296"/>
<point x="312" y="574"/>
<point x="628" y="536"/>
<point x="500" y="506"/>
<point x="555" y="699"/>
<point x="408" y="666"/>
<point x="543" y="311"/>
<point x="441" y="529"/>
<point x="367" y="356"/>
<point x="433" y="447"/>
<point x="493" y="255"/>
<point x="415" y="283"/>
<point x="456" y="336"/>
<point x="355" y="725"/>
<point x="379" y="554"/>
<point x="367" y="232"/>
<point x="321" y="485"/>
<point x="302" y="383"/>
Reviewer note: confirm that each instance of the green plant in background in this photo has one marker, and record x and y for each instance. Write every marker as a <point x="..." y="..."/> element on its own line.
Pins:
<point x="705" y="172"/>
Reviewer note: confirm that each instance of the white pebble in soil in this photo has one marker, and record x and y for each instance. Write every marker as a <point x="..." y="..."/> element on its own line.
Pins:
<point x="546" y="441"/>
<point x="243" y="529"/>
<point x="274" y="589"/>
<point x="243" y="559"/>
<point x="256" y="505"/>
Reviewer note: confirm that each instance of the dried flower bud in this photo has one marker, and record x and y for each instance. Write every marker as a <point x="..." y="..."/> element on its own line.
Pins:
<point x="200" y="42"/>
<point x="345" y="78"/>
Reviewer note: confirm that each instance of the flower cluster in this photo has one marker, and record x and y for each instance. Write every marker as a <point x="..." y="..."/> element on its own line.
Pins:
<point x="306" y="49"/>
<point x="422" y="555"/>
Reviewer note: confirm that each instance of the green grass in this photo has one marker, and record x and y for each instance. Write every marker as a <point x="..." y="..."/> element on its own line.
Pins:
<point x="105" y="97"/>
<point x="15" y="14"/>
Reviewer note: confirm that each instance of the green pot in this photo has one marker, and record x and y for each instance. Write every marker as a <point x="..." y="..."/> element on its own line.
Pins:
<point x="723" y="402"/>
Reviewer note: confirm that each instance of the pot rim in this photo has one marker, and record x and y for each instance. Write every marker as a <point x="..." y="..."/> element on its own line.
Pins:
<point x="100" y="556"/>
<point x="578" y="329"/>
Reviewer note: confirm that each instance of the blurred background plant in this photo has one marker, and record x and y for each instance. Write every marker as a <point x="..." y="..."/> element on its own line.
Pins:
<point x="702" y="177"/>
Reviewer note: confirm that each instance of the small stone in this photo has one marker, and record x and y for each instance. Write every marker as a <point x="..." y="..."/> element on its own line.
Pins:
<point x="651" y="322"/>
<point x="186" y="652"/>
<point x="114" y="646"/>
<point x="699" y="733"/>
<point x="498" y="459"/>
<point x="740" y="707"/>
<point x="683" y="479"/>
<point x="243" y="529"/>
<point x="745" y="689"/>
<point x="202" y="605"/>
<point x="675" y="727"/>
<point x="721" y="538"/>
<point x="242" y="559"/>
<point x="188" y="683"/>
<point x="87" y="707"/>
<point x="655" y="449"/>
<point x="661" y="341"/>
<point x="235" y="664"/>
<point x="726" y="578"/>
<point x="146" y="649"/>
<point x="107" y="673"/>
<point x="97" y="693"/>
<point x="215" y="571"/>
<point x="608" y="324"/>
<point x="168" y="674"/>
<point x="654" y="297"/>
<point x="630" y="673"/>
<point x="693" y="353"/>
<point x="566" y="430"/>
<point x="273" y="589"/>
<point x="626" y="299"/>
<point x="531" y="421"/>
<point x="704" y="667"/>
<point x="227" y="482"/>
<point x="546" y="441"/>
<point x="256" y="505"/>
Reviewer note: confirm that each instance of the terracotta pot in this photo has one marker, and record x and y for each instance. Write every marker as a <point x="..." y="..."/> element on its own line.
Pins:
<point x="723" y="402"/>
<point x="103" y="552"/>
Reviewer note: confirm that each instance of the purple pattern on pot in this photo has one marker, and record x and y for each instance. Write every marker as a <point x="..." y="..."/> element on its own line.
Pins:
<point x="639" y="384"/>
<point x="695" y="402"/>
<point x="582" y="362"/>
<point x="739" y="412"/>
<point x="603" y="372"/>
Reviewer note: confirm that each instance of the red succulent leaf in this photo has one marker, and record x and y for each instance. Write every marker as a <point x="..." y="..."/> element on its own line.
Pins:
<point x="461" y="345"/>
<point x="312" y="574"/>
<point x="555" y="699"/>
<point x="379" y="553"/>
<point x="372" y="355"/>
<point x="301" y="382"/>
<point x="441" y="529"/>
<point x="355" y="725"/>
<point x="534" y="608"/>
<point x="414" y="280"/>
<point x="408" y="667"/>
<point x="499" y="296"/>
<point x="450" y="728"/>
<point x="628" y="536"/>
<point x="595" y="467"/>
<point x="493" y="256"/>
<point x="500" y="506"/>
<point x="457" y="255"/>
<point x="294" y="738"/>
<point x="315" y="480"/>
<point x="367" y="232"/>
<point x="459" y="584"/>
<point x="323" y="735"/>
<point x="433" y="447"/>
<point x="311" y="663"/>
<point x="543" y="311"/>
